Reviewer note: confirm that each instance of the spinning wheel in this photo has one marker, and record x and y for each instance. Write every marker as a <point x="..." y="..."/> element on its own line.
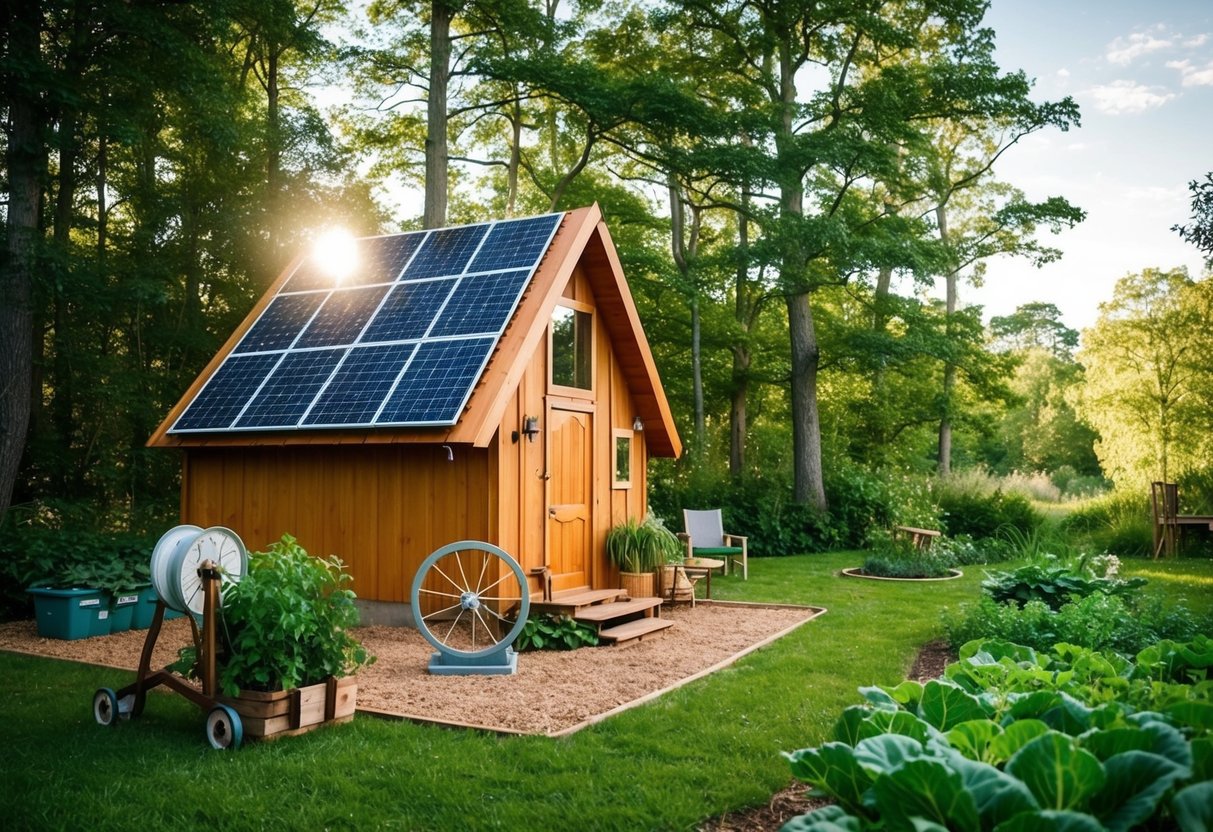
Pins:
<point x="470" y="601"/>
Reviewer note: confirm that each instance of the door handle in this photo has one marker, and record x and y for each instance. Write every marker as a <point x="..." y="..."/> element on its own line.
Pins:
<point x="551" y="512"/>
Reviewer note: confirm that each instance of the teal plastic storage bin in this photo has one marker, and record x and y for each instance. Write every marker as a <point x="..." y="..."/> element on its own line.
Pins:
<point x="145" y="609"/>
<point x="122" y="611"/>
<point x="71" y="613"/>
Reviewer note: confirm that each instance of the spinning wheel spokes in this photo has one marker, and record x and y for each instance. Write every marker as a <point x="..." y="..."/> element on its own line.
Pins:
<point x="470" y="601"/>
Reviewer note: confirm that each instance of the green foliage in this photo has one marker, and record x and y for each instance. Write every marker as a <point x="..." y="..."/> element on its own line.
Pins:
<point x="891" y="557"/>
<point x="555" y="632"/>
<point x="40" y="556"/>
<point x="1118" y="523"/>
<point x="761" y="507"/>
<point x="285" y="624"/>
<point x="979" y="513"/>
<point x="1013" y="739"/>
<point x="1056" y="582"/>
<point x="635" y="546"/>
<point x="1098" y="621"/>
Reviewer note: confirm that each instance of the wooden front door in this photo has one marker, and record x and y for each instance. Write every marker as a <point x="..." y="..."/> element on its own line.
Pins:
<point x="570" y="435"/>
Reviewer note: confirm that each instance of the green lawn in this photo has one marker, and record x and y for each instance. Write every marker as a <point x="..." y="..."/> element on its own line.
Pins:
<point x="704" y="749"/>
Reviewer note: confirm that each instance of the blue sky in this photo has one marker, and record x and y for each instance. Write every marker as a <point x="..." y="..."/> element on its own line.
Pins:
<point x="1142" y="74"/>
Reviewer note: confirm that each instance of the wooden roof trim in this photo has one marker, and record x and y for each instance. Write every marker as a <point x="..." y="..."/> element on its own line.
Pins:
<point x="528" y="326"/>
<point x="651" y="401"/>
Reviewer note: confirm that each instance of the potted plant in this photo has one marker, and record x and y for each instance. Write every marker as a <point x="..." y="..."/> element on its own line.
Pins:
<point x="286" y="658"/>
<point x="638" y="548"/>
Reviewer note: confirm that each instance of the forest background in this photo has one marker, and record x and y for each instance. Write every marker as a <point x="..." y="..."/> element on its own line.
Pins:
<point x="790" y="186"/>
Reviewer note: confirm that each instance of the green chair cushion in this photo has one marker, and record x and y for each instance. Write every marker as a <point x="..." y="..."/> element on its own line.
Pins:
<point x="716" y="550"/>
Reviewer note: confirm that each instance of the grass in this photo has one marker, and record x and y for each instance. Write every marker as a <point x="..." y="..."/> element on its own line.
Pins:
<point x="709" y="747"/>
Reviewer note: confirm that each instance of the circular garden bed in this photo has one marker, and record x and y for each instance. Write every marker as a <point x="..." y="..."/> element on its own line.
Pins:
<point x="857" y="572"/>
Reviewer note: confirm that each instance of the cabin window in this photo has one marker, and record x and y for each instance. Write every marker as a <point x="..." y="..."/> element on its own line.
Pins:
<point x="623" y="459"/>
<point x="572" y="362"/>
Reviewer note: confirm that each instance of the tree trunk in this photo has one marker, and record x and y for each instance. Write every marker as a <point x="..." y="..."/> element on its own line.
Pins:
<point x="944" y="460"/>
<point x="808" y="483"/>
<point x="683" y="251"/>
<point x="436" y="116"/>
<point x="741" y="350"/>
<point x="273" y="161"/>
<point x="511" y="175"/>
<point x="25" y="162"/>
<point x="806" y="424"/>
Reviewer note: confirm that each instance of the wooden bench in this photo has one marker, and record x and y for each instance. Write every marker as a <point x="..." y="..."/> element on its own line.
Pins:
<point x="920" y="539"/>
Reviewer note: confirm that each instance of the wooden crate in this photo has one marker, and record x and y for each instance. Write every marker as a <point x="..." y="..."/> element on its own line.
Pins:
<point x="288" y="712"/>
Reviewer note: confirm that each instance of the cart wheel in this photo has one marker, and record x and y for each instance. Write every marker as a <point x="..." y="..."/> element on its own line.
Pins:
<point x="223" y="728"/>
<point x="105" y="707"/>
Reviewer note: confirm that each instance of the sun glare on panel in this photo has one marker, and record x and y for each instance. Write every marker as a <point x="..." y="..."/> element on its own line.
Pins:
<point x="336" y="254"/>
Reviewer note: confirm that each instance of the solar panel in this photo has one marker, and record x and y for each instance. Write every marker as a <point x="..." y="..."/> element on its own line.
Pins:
<point x="400" y="342"/>
<point x="342" y="317"/>
<point x="437" y="382"/>
<point x="359" y="386"/>
<point x="280" y="323"/>
<point x="481" y="303"/>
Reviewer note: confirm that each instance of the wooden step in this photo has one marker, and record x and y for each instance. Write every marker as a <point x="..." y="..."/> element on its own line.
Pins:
<point x="634" y="631"/>
<point x="617" y="609"/>
<point x="586" y="597"/>
<point x="570" y="602"/>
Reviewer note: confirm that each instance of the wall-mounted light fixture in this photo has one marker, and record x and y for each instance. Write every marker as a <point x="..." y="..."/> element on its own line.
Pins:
<point x="637" y="425"/>
<point x="530" y="429"/>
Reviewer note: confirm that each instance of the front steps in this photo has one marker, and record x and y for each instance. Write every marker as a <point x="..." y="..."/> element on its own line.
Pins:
<point x="619" y="620"/>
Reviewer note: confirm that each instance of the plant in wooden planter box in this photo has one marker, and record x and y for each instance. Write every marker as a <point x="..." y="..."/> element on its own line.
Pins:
<point x="286" y="656"/>
<point x="638" y="549"/>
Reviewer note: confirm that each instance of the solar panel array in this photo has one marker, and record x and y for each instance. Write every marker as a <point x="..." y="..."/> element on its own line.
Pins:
<point x="401" y="342"/>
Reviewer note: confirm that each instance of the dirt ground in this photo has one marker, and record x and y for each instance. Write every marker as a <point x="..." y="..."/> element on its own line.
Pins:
<point x="552" y="691"/>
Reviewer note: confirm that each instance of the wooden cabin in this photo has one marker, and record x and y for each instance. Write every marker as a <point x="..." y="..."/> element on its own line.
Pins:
<point x="381" y="435"/>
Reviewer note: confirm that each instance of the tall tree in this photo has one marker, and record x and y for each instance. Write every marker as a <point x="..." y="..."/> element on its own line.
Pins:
<point x="1199" y="232"/>
<point x="867" y="109"/>
<point x="1147" y="360"/>
<point x="26" y="164"/>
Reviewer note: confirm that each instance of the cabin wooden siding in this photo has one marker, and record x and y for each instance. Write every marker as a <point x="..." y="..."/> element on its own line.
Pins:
<point x="381" y="509"/>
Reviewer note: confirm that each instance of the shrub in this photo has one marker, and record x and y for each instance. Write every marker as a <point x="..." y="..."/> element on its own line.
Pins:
<point x="981" y="515"/>
<point x="1118" y="523"/>
<point x="897" y="558"/>
<point x="35" y="555"/>
<point x="1039" y="607"/>
<point x="1055" y="582"/>
<point x="555" y="632"/>
<point x="963" y="550"/>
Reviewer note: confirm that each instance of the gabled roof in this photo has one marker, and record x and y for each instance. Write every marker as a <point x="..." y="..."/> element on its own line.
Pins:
<point x="581" y="237"/>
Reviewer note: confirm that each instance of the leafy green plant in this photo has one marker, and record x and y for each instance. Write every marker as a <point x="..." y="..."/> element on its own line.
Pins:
<point x="892" y="557"/>
<point x="39" y="556"/>
<point x="1055" y="582"/>
<point x="555" y="632"/>
<point x="636" y="546"/>
<point x="1104" y="622"/>
<point x="1015" y="740"/>
<point x="285" y="624"/>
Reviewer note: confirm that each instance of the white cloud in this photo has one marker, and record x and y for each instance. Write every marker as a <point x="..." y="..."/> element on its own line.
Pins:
<point x="1076" y="146"/>
<point x="1193" y="76"/>
<point x="1198" y="40"/>
<point x="1063" y="73"/>
<point x="1127" y="97"/>
<point x="1124" y="51"/>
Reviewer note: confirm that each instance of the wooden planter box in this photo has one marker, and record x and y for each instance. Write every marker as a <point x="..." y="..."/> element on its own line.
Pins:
<point x="288" y="712"/>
